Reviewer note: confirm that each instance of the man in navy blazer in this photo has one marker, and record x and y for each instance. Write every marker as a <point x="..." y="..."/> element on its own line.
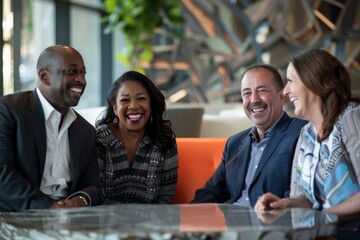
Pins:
<point x="259" y="159"/>
<point x="47" y="150"/>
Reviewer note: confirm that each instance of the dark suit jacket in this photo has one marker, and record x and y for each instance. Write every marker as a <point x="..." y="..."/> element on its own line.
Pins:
<point x="23" y="150"/>
<point x="272" y="174"/>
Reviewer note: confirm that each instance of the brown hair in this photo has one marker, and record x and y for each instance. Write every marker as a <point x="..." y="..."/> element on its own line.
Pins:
<point x="278" y="83"/>
<point x="324" y="75"/>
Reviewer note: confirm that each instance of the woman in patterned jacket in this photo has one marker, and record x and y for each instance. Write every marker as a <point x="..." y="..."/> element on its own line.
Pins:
<point x="136" y="147"/>
<point x="326" y="167"/>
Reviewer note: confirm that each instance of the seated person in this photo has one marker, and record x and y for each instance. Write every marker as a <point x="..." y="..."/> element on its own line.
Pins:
<point x="47" y="150"/>
<point x="259" y="159"/>
<point x="136" y="147"/>
<point x="326" y="167"/>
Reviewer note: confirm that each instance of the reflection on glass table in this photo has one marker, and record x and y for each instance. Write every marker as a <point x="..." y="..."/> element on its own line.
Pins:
<point x="188" y="221"/>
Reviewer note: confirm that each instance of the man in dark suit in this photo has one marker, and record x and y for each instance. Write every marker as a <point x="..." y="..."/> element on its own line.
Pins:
<point x="47" y="150"/>
<point x="259" y="159"/>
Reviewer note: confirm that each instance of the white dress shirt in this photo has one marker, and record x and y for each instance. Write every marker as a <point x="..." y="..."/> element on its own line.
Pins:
<point x="57" y="171"/>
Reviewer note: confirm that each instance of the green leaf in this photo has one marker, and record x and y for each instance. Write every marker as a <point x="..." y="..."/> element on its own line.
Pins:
<point x="138" y="20"/>
<point x="146" y="56"/>
<point x="124" y="59"/>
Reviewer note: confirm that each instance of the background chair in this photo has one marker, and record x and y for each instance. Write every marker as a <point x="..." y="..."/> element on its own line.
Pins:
<point x="198" y="160"/>
<point x="186" y="120"/>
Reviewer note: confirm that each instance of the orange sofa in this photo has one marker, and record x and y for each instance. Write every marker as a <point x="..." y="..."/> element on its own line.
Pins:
<point x="198" y="159"/>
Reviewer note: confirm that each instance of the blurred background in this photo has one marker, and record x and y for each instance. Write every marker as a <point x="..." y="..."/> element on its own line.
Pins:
<point x="194" y="50"/>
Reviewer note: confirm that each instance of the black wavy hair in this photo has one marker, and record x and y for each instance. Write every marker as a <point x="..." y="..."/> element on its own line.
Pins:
<point x="158" y="129"/>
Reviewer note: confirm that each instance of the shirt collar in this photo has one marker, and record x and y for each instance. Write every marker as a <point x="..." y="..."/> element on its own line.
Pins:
<point x="48" y="108"/>
<point x="253" y="132"/>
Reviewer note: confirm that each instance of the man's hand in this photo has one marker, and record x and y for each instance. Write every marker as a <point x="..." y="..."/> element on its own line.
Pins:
<point x="270" y="201"/>
<point x="70" y="203"/>
<point x="55" y="205"/>
<point x="270" y="216"/>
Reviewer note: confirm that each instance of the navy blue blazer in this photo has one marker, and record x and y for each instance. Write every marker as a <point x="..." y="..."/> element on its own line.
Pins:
<point x="23" y="150"/>
<point x="273" y="171"/>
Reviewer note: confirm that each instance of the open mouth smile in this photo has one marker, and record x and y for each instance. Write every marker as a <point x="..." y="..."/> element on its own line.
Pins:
<point x="134" y="117"/>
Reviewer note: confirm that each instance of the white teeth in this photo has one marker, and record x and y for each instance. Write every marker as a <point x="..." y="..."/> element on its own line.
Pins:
<point x="75" y="89"/>
<point x="258" y="109"/>
<point x="134" y="117"/>
<point x="293" y="100"/>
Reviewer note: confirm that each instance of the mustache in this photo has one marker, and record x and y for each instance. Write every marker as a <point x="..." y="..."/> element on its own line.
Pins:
<point x="257" y="105"/>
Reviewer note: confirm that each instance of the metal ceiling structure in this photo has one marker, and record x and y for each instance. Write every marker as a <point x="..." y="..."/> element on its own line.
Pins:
<point x="223" y="37"/>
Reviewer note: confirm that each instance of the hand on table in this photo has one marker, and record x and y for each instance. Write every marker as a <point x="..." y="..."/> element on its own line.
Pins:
<point x="270" y="216"/>
<point x="271" y="201"/>
<point x="69" y="203"/>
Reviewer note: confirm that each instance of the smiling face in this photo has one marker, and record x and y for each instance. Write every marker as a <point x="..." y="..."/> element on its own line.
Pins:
<point x="307" y="104"/>
<point x="132" y="106"/>
<point x="62" y="77"/>
<point x="262" y="101"/>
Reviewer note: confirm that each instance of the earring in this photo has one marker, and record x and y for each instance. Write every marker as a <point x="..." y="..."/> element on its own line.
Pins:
<point x="151" y="118"/>
<point x="116" y="120"/>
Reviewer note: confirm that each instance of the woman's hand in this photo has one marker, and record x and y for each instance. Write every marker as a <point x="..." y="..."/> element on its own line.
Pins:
<point x="347" y="210"/>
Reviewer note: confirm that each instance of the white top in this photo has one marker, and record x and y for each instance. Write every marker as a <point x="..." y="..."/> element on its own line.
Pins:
<point x="57" y="170"/>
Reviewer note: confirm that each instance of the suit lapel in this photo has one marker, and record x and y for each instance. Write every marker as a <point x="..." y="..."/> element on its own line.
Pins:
<point x="75" y="143"/>
<point x="242" y="161"/>
<point x="275" y="138"/>
<point x="38" y="125"/>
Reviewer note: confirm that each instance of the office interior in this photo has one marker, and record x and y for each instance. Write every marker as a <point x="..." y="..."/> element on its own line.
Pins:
<point x="198" y="66"/>
<point x="219" y="40"/>
<point x="199" y="71"/>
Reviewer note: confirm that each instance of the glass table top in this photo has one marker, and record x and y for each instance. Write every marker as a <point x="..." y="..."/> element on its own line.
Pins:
<point x="185" y="221"/>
